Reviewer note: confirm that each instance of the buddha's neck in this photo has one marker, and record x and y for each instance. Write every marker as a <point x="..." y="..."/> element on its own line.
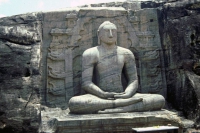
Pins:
<point x="108" y="47"/>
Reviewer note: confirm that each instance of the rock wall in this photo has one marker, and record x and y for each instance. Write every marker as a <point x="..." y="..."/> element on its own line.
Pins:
<point x="20" y="79"/>
<point x="25" y="52"/>
<point x="180" y="39"/>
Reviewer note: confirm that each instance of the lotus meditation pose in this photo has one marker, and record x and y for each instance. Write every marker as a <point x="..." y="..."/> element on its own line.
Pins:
<point x="101" y="78"/>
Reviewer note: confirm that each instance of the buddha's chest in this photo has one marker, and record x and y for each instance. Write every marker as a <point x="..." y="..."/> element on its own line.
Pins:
<point x="109" y="69"/>
<point x="110" y="62"/>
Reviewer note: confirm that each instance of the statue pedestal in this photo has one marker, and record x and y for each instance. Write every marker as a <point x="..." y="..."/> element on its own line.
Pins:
<point x="56" y="120"/>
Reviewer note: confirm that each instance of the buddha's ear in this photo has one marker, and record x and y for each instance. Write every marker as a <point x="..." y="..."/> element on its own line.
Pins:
<point x="116" y="42"/>
<point x="98" y="38"/>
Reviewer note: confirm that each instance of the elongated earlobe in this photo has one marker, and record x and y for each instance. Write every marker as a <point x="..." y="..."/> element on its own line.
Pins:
<point x="99" y="42"/>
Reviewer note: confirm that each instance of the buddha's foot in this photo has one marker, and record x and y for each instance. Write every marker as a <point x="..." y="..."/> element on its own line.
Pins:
<point x="122" y="106"/>
<point x="107" y="111"/>
<point x="126" y="102"/>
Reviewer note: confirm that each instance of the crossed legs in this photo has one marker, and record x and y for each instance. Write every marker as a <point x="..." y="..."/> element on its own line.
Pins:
<point x="86" y="104"/>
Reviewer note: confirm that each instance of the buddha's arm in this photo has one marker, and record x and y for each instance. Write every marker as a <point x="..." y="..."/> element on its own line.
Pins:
<point x="88" y="62"/>
<point x="131" y="74"/>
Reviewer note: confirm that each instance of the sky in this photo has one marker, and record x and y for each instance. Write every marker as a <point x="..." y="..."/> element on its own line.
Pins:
<point x="15" y="7"/>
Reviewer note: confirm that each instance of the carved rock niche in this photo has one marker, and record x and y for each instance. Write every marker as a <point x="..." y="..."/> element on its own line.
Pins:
<point x="68" y="44"/>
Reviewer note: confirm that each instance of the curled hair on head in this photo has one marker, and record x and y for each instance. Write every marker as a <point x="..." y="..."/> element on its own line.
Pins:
<point x="101" y="26"/>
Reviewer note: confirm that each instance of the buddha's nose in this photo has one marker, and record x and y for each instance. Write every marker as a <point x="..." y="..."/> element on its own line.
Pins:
<point x="110" y="34"/>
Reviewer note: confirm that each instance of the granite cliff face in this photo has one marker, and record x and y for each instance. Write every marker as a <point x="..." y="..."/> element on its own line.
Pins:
<point x="20" y="82"/>
<point x="28" y="77"/>
<point x="180" y="39"/>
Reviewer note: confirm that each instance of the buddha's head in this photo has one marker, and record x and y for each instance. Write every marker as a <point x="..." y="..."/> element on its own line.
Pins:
<point x="107" y="33"/>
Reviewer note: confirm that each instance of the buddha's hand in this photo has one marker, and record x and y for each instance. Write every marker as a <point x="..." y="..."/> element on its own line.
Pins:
<point x="111" y="95"/>
<point x="124" y="95"/>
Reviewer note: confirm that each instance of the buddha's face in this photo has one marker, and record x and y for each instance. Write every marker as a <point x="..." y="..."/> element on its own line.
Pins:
<point x="108" y="34"/>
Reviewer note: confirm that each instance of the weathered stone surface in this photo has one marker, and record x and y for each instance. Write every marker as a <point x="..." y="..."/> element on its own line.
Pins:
<point x="136" y="5"/>
<point x="105" y="64"/>
<point x="138" y="33"/>
<point x="191" y="103"/>
<point x="164" y="37"/>
<point x="20" y="80"/>
<point x="57" y="120"/>
<point x="180" y="35"/>
<point x="18" y="34"/>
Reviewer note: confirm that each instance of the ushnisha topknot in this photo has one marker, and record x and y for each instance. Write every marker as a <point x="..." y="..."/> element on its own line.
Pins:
<point x="105" y="23"/>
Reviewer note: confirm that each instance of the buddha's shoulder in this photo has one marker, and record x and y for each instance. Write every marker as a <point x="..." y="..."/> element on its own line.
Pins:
<point x="124" y="50"/>
<point x="91" y="51"/>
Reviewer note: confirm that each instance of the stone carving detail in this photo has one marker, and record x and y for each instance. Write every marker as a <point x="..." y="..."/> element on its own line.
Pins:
<point x="56" y="90"/>
<point x="104" y="64"/>
<point x="60" y="61"/>
<point x="135" y="21"/>
<point x="69" y="43"/>
<point x="148" y="49"/>
<point x="145" y="38"/>
<point x="71" y="20"/>
<point x="34" y="72"/>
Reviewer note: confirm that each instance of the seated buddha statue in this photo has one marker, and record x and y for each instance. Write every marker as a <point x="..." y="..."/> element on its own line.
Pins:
<point x="105" y="63"/>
